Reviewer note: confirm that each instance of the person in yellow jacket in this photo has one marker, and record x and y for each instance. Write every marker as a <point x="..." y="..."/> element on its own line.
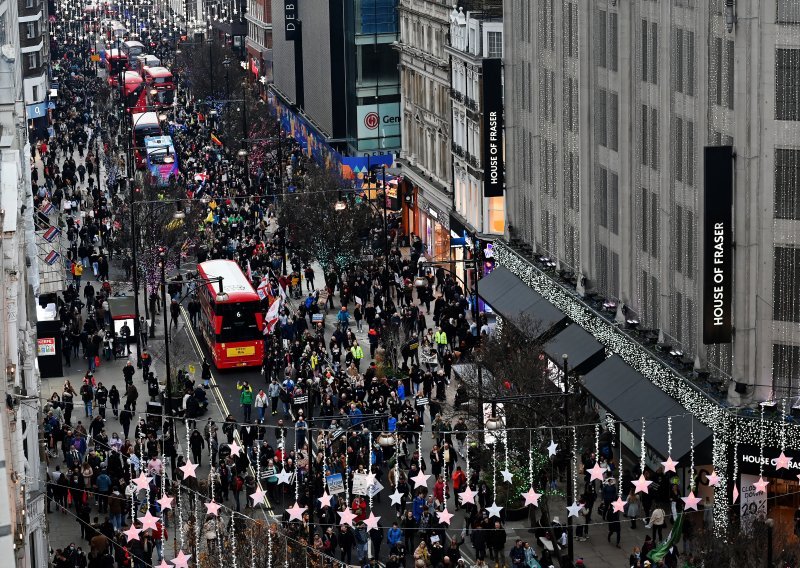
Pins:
<point x="440" y="338"/>
<point x="357" y="354"/>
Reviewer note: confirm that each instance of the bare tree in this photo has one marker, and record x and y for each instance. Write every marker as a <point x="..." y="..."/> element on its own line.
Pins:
<point x="321" y="224"/>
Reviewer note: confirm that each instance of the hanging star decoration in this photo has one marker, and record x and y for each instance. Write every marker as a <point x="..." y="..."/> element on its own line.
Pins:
<point x="691" y="501"/>
<point x="165" y="502"/>
<point x="782" y="461"/>
<point x="212" y="508"/>
<point x="552" y="448"/>
<point x="182" y="560"/>
<point x="642" y="485"/>
<point x="761" y="485"/>
<point x="444" y="516"/>
<point x="597" y="472"/>
<point x="669" y="465"/>
<point x="284" y="477"/>
<point x="467" y="496"/>
<point x="346" y="517"/>
<point x="163" y="564"/>
<point x="236" y="449"/>
<point x="420" y="480"/>
<point x="188" y="469"/>
<point x="325" y="500"/>
<point x="148" y="521"/>
<point x="574" y="509"/>
<point x="258" y="496"/>
<point x="736" y="492"/>
<point x="531" y="497"/>
<point x="370" y="479"/>
<point x="396" y="497"/>
<point x="494" y="510"/>
<point x="132" y="533"/>
<point x="619" y="505"/>
<point x="372" y="521"/>
<point x="296" y="512"/>
<point x="713" y="479"/>
<point x="142" y="482"/>
<point x="508" y="477"/>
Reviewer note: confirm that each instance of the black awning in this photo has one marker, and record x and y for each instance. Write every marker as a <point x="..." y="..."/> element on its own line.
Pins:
<point x="629" y="396"/>
<point x="513" y="299"/>
<point x="584" y="351"/>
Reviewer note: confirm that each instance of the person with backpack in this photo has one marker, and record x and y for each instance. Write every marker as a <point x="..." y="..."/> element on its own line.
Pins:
<point x="245" y="399"/>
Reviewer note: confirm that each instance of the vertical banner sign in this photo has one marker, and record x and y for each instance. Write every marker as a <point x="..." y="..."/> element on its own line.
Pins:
<point x="718" y="245"/>
<point x="290" y="19"/>
<point x="493" y="168"/>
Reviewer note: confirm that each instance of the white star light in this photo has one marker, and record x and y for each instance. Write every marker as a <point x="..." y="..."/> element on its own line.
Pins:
<point x="574" y="509"/>
<point x="284" y="477"/>
<point x="494" y="510"/>
<point x="396" y="497"/>
<point x="552" y="448"/>
<point x="325" y="500"/>
<point x="508" y="477"/>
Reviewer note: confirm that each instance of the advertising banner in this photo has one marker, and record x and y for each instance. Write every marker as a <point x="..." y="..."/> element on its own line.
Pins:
<point x="378" y="121"/>
<point x="290" y="22"/>
<point x="335" y="484"/>
<point x="718" y="245"/>
<point x="493" y="167"/>
<point x="45" y="346"/>
<point x="752" y="503"/>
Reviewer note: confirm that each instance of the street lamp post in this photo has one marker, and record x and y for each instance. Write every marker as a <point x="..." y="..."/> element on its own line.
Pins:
<point x="227" y="64"/>
<point x="770" y="526"/>
<point x="210" y="42"/>
<point x="163" y="266"/>
<point x="570" y="488"/>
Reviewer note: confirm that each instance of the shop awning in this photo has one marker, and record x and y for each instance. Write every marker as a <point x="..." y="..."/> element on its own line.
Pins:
<point x="629" y="396"/>
<point x="584" y="351"/>
<point x="513" y="299"/>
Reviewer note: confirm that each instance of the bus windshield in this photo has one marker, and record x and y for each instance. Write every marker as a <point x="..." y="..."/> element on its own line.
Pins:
<point x="238" y="322"/>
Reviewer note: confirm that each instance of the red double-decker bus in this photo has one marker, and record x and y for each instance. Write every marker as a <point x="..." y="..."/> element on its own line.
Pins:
<point x="231" y="322"/>
<point x="162" y="88"/>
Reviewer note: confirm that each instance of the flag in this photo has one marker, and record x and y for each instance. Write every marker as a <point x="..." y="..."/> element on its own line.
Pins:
<point x="263" y="288"/>
<point x="249" y="271"/>
<point x="659" y="552"/>
<point x="46" y="207"/>
<point x="272" y="316"/>
<point x="51" y="233"/>
<point x="52" y="257"/>
<point x="216" y="140"/>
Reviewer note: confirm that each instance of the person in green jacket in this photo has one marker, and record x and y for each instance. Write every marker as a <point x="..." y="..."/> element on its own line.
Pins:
<point x="245" y="399"/>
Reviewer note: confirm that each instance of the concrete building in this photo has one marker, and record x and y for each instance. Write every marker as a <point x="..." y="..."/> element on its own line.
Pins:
<point x="335" y="72"/>
<point x="35" y="57"/>
<point x="22" y="494"/>
<point x="476" y="39"/>
<point x="638" y="133"/>
<point x="258" y="44"/>
<point x="425" y="157"/>
<point x="609" y="108"/>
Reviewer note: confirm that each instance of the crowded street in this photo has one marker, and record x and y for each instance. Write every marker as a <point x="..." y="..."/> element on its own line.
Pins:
<point x="260" y="406"/>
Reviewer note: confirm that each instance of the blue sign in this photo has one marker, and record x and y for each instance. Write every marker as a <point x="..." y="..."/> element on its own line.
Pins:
<point x="335" y="483"/>
<point x="36" y="111"/>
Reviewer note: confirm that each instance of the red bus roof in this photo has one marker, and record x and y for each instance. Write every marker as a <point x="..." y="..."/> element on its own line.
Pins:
<point x="234" y="282"/>
<point x="115" y="53"/>
<point x="131" y="78"/>
<point x="157" y="72"/>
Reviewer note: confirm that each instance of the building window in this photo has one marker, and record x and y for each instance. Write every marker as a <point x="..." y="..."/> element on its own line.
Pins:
<point x="650" y="218"/>
<point x="571" y="27"/>
<point x="3" y="31"/>
<point x="35" y="93"/>
<point x="650" y="52"/>
<point x="601" y="196"/>
<point x="31" y="30"/>
<point x="787" y="84"/>
<point x="494" y="48"/>
<point x="788" y="12"/>
<point x="606" y="117"/>
<point x="786" y="285"/>
<point x="785" y="369"/>
<point x="606" y="31"/>
<point x="684" y="64"/>
<point x="787" y="183"/>
<point x="649" y="146"/>
<point x="30" y="3"/>
<point x="684" y="249"/>
<point x="33" y="60"/>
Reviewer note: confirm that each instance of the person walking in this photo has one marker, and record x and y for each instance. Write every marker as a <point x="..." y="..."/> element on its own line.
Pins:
<point x="657" y="520"/>
<point x="614" y="525"/>
<point x="245" y="399"/>
<point x="261" y="405"/>
<point x="274" y="395"/>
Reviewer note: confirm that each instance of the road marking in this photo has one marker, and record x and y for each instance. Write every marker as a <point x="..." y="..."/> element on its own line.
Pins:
<point x="224" y="407"/>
